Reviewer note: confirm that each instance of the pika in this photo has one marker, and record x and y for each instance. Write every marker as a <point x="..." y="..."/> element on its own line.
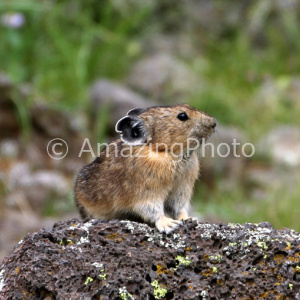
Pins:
<point x="149" y="173"/>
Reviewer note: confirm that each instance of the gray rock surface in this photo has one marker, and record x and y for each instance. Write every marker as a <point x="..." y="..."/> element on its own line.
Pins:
<point x="16" y="223"/>
<point x="214" y="160"/>
<point x="128" y="260"/>
<point x="163" y="77"/>
<point x="282" y="144"/>
<point x="115" y="98"/>
<point x="34" y="188"/>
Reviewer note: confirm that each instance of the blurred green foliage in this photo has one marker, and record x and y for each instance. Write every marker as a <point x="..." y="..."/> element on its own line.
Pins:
<point x="65" y="45"/>
<point x="279" y="207"/>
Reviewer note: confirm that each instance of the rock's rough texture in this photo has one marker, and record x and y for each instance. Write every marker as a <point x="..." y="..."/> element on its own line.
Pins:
<point x="128" y="260"/>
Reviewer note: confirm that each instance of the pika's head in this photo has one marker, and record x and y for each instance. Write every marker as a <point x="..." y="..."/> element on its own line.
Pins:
<point x="167" y="125"/>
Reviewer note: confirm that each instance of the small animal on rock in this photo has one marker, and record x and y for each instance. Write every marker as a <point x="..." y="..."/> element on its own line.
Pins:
<point x="149" y="173"/>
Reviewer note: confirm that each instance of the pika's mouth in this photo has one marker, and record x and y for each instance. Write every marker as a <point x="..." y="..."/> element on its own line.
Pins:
<point x="203" y="133"/>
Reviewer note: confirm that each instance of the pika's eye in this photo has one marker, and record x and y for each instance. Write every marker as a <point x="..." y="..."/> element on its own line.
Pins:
<point x="183" y="116"/>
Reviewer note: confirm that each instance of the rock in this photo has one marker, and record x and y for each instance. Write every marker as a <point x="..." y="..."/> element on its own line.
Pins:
<point x="282" y="144"/>
<point x="32" y="189"/>
<point x="269" y="93"/>
<point x="15" y="224"/>
<point x="202" y="13"/>
<point x="8" y="118"/>
<point x="128" y="260"/>
<point x="116" y="98"/>
<point x="43" y="125"/>
<point x="284" y="89"/>
<point x="265" y="176"/>
<point x="279" y="169"/>
<point x="293" y="91"/>
<point x="177" y="44"/>
<point x="9" y="148"/>
<point x="164" y="78"/>
<point x="214" y="160"/>
<point x="263" y="180"/>
<point x="50" y="124"/>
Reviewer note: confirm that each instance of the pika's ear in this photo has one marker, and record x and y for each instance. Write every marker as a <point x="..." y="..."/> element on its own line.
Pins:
<point x="136" y="111"/>
<point x="132" y="129"/>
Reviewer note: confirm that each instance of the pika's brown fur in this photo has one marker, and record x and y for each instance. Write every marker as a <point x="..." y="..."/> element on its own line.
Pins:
<point x="149" y="173"/>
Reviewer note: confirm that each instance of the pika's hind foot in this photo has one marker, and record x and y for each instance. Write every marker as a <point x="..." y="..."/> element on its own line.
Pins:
<point x="167" y="225"/>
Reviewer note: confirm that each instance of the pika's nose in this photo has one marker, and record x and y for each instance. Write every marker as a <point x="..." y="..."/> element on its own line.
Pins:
<point x="214" y="123"/>
<point x="209" y="121"/>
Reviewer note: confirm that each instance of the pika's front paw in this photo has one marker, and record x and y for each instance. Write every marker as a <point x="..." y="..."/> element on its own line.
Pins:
<point x="167" y="225"/>
<point x="184" y="217"/>
<point x="194" y="219"/>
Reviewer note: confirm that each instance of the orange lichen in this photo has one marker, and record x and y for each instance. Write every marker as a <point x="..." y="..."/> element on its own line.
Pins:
<point x="280" y="277"/>
<point x="264" y="295"/>
<point x="294" y="259"/>
<point x="220" y="282"/>
<point x="112" y="236"/>
<point x="297" y="269"/>
<point x="279" y="258"/>
<point x="261" y="263"/>
<point x="205" y="257"/>
<point x="163" y="270"/>
<point x="210" y="272"/>
<point x="115" y="237"/>
<point x="17" y="270"/>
